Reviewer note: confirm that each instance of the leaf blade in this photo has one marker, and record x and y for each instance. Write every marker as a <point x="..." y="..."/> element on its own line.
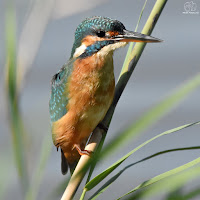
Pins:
<point x="169" y="173"/>
<point x="91" y="184"/>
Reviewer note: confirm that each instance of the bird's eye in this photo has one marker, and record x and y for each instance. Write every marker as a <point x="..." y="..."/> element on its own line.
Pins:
<point x="100" y="33"/>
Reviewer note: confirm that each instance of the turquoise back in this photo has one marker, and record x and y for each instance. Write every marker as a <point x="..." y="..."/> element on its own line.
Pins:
<point x="59" y="97"/>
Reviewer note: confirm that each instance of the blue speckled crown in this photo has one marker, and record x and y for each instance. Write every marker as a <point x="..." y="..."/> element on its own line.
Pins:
<point x="90" y="25"/>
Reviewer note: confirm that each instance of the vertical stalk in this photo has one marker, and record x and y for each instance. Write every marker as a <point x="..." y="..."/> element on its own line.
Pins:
<point x="123" y="80"/>
<point x="13" y="103"/>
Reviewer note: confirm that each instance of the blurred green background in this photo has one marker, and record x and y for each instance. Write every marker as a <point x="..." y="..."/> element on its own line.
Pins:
<point x="44" y="38"/>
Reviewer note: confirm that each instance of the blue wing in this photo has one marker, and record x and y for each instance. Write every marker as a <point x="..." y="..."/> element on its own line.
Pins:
<point x="59" y="97"/>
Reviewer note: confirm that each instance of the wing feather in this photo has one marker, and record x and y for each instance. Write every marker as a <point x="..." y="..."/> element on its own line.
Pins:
<point x="59" y="97"/>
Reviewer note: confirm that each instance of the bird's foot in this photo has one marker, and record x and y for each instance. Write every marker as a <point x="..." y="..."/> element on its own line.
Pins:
<point x="82" y="152"/>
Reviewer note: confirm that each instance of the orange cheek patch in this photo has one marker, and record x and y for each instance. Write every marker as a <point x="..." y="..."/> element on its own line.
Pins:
<point x="89" y="40"/>
<point x="112" y="33"/>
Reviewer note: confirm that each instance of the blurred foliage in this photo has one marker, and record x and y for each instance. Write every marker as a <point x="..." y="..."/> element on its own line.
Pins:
<point x="40" y="168"/>
<point x="19" y="136"/>
<point x="16" y="123"/>
<point x="173" y="181"/>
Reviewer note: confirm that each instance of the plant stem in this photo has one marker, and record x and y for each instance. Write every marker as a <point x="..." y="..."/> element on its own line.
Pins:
<point x="100" y="134"/>
<point x="83" y="194"/>
<point x="130" y="49"/>
<point x="130" y="64"/>
<point x="15" y="120"/>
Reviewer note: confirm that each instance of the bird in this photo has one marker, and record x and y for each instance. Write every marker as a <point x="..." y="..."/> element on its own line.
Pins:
<point x="83" y="89"/>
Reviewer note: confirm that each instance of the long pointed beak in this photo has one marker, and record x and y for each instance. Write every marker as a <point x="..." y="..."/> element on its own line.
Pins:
<point x="130" y="36"/>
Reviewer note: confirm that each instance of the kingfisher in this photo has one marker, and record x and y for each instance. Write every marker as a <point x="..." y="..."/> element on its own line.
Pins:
<point x="83" y="89"/>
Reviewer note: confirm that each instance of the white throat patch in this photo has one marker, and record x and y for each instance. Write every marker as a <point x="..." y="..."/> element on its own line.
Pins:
<point x="79" y="50"/>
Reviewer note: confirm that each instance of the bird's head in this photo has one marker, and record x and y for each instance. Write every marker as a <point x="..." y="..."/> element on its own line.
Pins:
<point x="103" y="34"/>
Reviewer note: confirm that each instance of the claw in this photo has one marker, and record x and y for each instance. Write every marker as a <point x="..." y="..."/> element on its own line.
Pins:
<point x="82" y="152"/>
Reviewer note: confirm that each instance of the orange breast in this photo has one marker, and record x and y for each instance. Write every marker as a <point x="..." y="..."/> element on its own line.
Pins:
<point x="91" y="90"/>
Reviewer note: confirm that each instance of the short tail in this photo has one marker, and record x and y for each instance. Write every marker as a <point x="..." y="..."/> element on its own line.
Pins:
<point x="65" y="164"/>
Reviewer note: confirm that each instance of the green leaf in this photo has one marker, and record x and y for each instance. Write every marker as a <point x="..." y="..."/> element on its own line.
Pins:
<point x="115" y="177"/>
<point x="173" y="182"/>
<point x="105" y="173"/>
